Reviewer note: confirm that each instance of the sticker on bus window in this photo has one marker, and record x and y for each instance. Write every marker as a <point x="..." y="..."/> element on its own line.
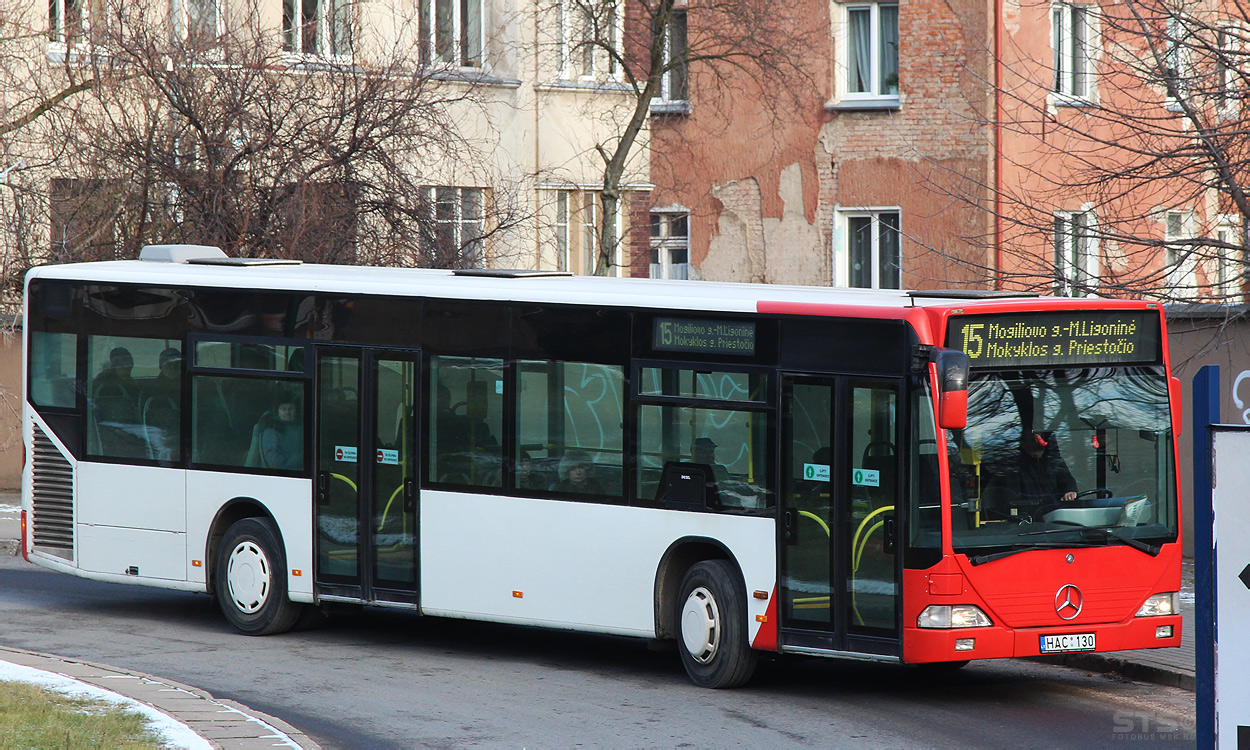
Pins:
<point x="345" y="453"/>
<point x="389" y="457"/>
<point x="866" y="478"/>
<point x="498" y="387"/>
<point x="816" y="472"/>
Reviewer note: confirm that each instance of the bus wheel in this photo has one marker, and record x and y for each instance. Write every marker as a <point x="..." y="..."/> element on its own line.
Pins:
<point x="250" y="578"/>
<point x="713" y="622"/>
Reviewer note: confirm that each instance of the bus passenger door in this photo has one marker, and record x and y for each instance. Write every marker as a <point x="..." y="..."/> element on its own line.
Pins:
<point x="366" y="489"/>
<point x="839" y="568"/>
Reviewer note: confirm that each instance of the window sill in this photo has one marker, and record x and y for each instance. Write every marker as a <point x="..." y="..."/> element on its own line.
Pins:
<point x="583" y="86"/>
<point x="475" y="75"/>
<point x="670" y="107"/>
<point x="885" y="103"/>
<point x="1067" y="100"/>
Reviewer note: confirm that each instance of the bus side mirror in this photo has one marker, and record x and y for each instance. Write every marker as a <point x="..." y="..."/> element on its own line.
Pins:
<point x="952" y="372"/>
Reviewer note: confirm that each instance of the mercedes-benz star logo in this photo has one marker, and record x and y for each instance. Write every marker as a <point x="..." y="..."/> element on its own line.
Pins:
<point x="1068" y="601"/>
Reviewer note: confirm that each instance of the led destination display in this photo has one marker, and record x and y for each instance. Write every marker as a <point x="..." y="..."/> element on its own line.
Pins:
<point x="704" y="336"/>
<point x="1057" y="339"/>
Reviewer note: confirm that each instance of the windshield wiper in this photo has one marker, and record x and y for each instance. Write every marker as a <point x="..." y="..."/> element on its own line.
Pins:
<point x="1106" y="531"/>
<point x="1018" y="548"/>
<point x="1137" y="544"/>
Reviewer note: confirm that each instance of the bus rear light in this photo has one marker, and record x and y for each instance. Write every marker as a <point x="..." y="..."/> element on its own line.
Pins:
<point x="965" y="644"/>
<point x="1160" y="604"/>
<point x="1163" y="631"/>
<point x="953" y="616"/>
<point x="196" y="563"/>
<point x="25" y="552"/>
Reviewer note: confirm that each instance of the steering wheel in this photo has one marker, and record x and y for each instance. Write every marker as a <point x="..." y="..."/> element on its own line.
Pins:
<point x="1098" y="493"/>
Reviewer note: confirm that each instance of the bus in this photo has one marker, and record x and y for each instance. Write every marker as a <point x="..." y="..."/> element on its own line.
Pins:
<point x="901" y="476"/>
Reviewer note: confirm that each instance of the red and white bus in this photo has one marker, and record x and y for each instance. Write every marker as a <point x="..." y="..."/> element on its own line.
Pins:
<point x="899" y="476"/>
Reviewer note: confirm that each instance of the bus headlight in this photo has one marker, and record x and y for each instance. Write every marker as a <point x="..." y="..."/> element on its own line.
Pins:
<point x="1160" y="604"/>
<point x="952" y="616"/>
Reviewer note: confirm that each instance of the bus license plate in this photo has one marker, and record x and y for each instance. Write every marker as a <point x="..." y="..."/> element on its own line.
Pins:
<point x="1073" y="642"/>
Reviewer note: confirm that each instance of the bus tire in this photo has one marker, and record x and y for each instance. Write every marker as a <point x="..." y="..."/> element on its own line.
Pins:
<point x="712" y="626"/>
<point x="250" y="578"/>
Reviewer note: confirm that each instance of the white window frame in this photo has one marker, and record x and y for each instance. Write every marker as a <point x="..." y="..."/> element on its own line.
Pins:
<point x="842" y="244"/>
<point x="1179" y="59"/>
<point x="1076" y="252"/>
<point x="57" y="31"/>
<point x="467" y="46"/>
<point x="1228" y="47"/>
<point x="1229" y="263"/>
<point x="588" y="63"/>
<point x="563" y="229"/>
<point x="325" y="44"/>
<point x="467" y="231"/>
<point x="675" y="82"/>
<point x="180" y="16"/>
<point x="874" y="94"/>
<point x="670" y="237"/>
<point x="1072" y="58"/>
<point x="1180" y="264"/>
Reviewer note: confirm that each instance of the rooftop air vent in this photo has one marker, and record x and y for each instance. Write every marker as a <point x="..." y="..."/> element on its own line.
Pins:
<point x="179" y="253"/>
<point x="243" y="262"/>
<point x="967" y="294"/>
<point x="508" y="273"/>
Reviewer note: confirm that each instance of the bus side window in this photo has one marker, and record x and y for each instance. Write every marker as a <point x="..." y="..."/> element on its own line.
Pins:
<point x="569" y="428"/>
<point x="466" y="421"/>
<point x="131" y="400"/>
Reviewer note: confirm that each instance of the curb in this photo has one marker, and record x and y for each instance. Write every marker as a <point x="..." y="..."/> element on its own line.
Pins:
<point x="1109" y="663"/>
<point x="232" y="725"/>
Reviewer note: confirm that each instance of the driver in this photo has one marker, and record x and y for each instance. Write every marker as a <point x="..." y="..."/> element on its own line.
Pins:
<point x="1035" y="478"/>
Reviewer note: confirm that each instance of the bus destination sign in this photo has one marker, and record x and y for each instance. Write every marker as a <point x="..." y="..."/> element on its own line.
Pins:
<point x="1057" y="339"/>
<point x="704" y="336"/>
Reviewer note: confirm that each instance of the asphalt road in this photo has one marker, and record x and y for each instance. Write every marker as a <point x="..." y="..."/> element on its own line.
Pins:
<point x="390" y="680"/>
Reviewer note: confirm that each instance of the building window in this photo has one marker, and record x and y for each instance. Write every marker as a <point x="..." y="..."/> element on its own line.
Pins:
<point x="676" y="74"/>
<point x="65" y="21"/>
<point x="871" y="51"/>
<point x="1227" y="64"/>
<point x="1076" y="257"/>
<point x="562" y="230"/>
<point x="1230" y="262"/>
<point x="590" y="39"/>
<point x="457" y="226"/>
<point x="195" y="20"/>
<point x="1069" y="29"/>
<point x="1180" y="261"/>
<point x="451" y="33"/>
<point x="590" y="232"/>
<point x="670" y="245"/>
<point x="868" y="251"/>
<point x="317" y="27"/>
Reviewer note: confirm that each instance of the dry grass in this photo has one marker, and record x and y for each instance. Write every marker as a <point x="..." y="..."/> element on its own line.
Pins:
<point x="34" y="718"/>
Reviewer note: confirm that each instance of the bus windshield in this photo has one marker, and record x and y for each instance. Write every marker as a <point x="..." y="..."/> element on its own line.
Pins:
<point x="1063" y="457"/>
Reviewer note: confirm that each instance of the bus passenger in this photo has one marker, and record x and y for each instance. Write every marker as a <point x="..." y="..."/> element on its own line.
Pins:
<point x="281" y="436"/>
<point x="704" y="452"/>
<point x="575" y="474"/>
<point x="1034" y="480"/>
<point x="114" y="379"/>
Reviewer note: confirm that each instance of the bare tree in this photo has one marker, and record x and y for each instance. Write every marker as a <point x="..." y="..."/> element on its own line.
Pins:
<point x="649" y="45"/>
<point x="1122" y="152"/>
<point x="299" y="142"/>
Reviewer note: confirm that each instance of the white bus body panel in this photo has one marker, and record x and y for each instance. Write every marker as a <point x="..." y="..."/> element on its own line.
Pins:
<point x="288" y="500"/>
<point x="582" y="566"/>
<point x="116" y="550"/>
<point x="133" y="497"/>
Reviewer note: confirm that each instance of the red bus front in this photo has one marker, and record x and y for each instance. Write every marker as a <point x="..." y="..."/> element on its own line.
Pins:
<point x="1059" y="515"/>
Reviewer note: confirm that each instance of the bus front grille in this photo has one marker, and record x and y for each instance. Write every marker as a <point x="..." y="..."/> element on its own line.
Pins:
<point x="52" y="495"/>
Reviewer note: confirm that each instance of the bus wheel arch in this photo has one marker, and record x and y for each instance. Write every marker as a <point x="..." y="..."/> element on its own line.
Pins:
<point x="247" y="570"/>
<point x="680" y="556"/>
